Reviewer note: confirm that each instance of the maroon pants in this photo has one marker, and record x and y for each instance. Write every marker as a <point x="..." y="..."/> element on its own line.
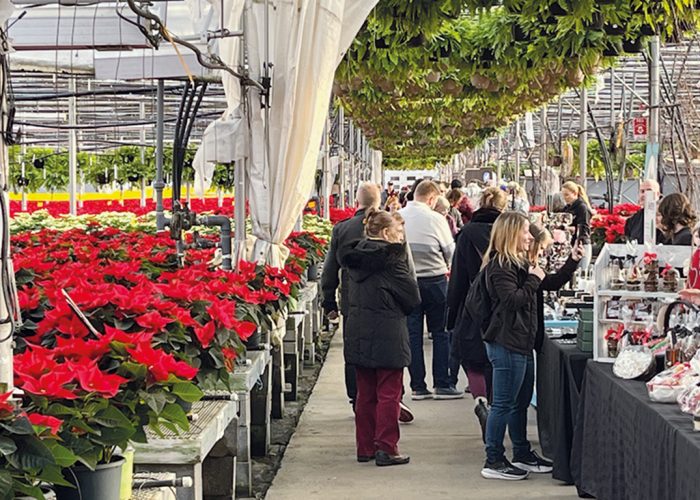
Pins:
<point x="377" y="410"/>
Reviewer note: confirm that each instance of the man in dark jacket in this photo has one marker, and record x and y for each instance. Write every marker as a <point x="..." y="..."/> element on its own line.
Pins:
<point x="634" y="227"/>
<point x="345" y="236"/>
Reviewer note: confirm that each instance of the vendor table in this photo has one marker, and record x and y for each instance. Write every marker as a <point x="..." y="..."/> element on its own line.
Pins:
<point x="627" y="447"/>
<point x="560" y="369"/>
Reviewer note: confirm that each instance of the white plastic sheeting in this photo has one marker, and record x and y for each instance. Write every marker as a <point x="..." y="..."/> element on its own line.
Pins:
<point x="307" y="40"/>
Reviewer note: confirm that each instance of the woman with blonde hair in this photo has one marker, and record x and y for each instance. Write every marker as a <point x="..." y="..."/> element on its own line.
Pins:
<point x="467" y="347"/>
<point x="577" y="204"/>
<point x="383" y="291"/>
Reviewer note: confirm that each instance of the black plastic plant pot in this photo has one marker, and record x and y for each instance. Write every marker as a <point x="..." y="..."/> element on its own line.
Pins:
<point x="557" y="10"/>
<point x="133" y="177"/>
<point x="612" y="49"/>
<point x="102" y="179"/>
<point x="614" y="29"/>
<point x="129" y="158"/>
<point x="597" y="21"/>
<point x="488" y="55"/>
<point x="38" y="163"/>
<point x="22" y="181"/>
<point x="381" y="43"/>
<point x="633" y="46"/>
<point x="551" y="20"/>
<point x="519" y="34"/>
<point x="445" y="52"/>
<point x="416" y="41"/>
<point x="647" y="30"/>
<point x="103" y="483"/>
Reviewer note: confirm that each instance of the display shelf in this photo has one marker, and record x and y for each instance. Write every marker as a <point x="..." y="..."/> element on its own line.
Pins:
<point x="629" y="294"/>
<point x="676" y="256"/>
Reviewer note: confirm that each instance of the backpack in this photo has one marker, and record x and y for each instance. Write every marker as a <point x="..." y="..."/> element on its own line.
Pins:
<point x="478" y="301"/>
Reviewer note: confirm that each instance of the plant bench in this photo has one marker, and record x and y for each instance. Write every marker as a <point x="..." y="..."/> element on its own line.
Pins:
<point x="184" y="454"/>
<point x="252" y="384"/>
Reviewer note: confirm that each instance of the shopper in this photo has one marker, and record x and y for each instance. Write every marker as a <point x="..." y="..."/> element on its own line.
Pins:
<point x="442" y="206"/>
<point x="432" y="246"/>
<point x="344" y="236"/>
<point x="383" y="291"/>
<point x="675" y="216"/>
<point x="512" y="284"/>
<point x="467" y="346"/>
<point x="455" y="197"/>
<point x="456" y="184"/>
<point x="577" y="204"/>
<point x="388" y="192"/>
<point x="518" y="198"/>
<point x="634" y="226"/>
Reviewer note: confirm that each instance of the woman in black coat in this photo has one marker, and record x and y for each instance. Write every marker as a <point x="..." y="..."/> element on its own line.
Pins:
<point x="382" y="292"/>
<point x="467" y="347"/>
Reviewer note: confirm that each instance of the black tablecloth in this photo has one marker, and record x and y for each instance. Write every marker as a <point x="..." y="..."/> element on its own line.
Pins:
<point x="560" y="369"/>
<point x="627" y="447"/>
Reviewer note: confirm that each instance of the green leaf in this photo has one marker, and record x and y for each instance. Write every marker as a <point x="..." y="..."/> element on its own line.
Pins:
<point x="175" y="414"/>
<point x="187" y="391"/>
<point x="155" y="400"/>
<point x="5" y="483"/>
<point x="31" y="453"/>
<point x="62" y="455"/>
<point x="20" y="426"/>
<point x="111" y="417"/>
<point x="28" y="490"/>
<point x="53" y="475"/>
<point x="7" y="446"/>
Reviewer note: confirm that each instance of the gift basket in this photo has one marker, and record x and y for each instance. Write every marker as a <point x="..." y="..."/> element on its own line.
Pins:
<point x="681" y="322"/>
<point x="667" y="386"/>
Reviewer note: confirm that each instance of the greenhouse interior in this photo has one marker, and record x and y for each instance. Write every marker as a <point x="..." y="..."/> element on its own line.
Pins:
<point x="339" y="249"/>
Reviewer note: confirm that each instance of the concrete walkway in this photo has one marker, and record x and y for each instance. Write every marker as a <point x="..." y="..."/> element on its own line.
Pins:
<point x="444" y="443"/>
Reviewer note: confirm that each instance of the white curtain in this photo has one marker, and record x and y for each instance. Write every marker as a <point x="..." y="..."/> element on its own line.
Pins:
<point x="307" y="40"/>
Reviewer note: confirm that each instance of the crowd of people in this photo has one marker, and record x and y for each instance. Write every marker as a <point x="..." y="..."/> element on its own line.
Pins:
<point x="462" y="264"/>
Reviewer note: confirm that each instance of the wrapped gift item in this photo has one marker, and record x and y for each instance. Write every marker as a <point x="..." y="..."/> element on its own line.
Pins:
<point x="667" y="385"/>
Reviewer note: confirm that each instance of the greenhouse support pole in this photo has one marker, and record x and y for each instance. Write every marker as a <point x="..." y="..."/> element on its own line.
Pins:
<point x="351" y="165"/>
<point x="327" y="182"/>
<point x="583" y="137"/>
<point x="517" y="152"/>
<point x="72" y="151"/>
<point x="239" y="199"/>
<point x="142" y="114"/>
<point x="651" y="166"/>
<point x="158" y="183"/>
<point x="499" y="166"/>
<point x="341" y="156"/>
<point x="23" y="149"/>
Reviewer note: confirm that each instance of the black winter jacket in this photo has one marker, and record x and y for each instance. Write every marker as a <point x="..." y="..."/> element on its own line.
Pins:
<point x="472" y="243"/>
<point x="582" y="220"/>
<point x="344" y="237"/>
<point x="634" y="228"/>
<point x="382" y="291"/>
<point x="514" y="320"/>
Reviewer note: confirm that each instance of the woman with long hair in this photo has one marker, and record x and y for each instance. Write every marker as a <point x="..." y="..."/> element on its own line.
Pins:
<point x="512" y="284"/>
<point x="467" y="347"/>
<point x="383" y="290"/>
<point x="675" y="217"/>
<point x="578" y="205"/>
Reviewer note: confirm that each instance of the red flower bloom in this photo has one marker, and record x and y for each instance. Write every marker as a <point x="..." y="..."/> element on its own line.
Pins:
<point x="93" y="380"/>
<point x="153" y="321"/>
<point x="51" y="423"/>
<point x="51" y="385"/>
<point x="29" y="298"/>
<point x="205" y="333"/>
<point x="223" y="312"/>
<point x="6" y="407"/>
<point x="160" y="364"/>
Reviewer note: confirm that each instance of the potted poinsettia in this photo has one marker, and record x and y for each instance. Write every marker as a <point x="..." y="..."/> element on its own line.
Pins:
<point x="31" y="455"/>
<point x="105" y="390"/>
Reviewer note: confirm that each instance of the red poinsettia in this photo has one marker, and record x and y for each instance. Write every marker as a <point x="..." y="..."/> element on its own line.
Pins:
<point x="52" y="423"/>
<point x="205" y="334"/>
<point x="51" y="385"/>
<point x="92" y="379"/>
<point x="6" y="407"/>
<point x="160" y="364"/>
<point x="153" y="321"/>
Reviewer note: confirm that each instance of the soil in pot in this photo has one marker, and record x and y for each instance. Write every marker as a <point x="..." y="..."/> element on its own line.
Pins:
<point x="101" y="484"/>
<point x="633" y="46"/>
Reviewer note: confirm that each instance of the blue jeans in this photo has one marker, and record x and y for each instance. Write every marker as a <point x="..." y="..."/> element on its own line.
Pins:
<point x="513" y="382"/>
<point x="433" y="306"/>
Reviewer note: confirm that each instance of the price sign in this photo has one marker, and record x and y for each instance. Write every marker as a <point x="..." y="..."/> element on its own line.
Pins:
<point x="639" y="127"/>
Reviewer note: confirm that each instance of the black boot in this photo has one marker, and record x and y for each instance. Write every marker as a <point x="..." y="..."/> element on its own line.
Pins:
<point x="383" y="459"/>
<point x="482" y="413"/>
